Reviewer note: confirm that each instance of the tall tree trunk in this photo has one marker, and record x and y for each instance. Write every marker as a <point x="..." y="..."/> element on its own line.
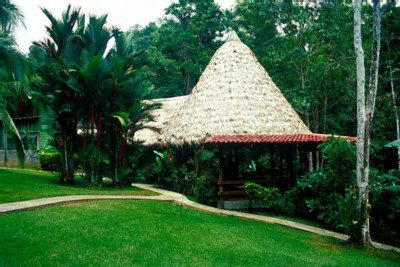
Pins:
<point x="70" y="138"/>
<point x="5" y="136"/>
<point x="63" y="157"/>
<point x="360" y="168"/>
<point x="365" y="111"/>
<point x="325" y="122"/>
<point x="70" y="177"/>
<point x="99" y="156"/>
<point x="307" y="112"/>
<point x="116" y="163"/>
<point x="396" y="112"/>
<point x="370" y="104"/>
<point x="92" y="148"/>
<point x="325" y="112"/>
<point x="316" y="130"/>
<point x="310" y="153"/>
<point x="67" y="147"/>
<point x="116" y="180"/>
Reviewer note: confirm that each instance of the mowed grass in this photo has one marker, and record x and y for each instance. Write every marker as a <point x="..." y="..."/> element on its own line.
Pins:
<point x="18" y="185"/>
<point x="115" y="233"/>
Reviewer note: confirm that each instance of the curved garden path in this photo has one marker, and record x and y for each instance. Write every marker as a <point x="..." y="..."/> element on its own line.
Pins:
<point x="169" y="196"/>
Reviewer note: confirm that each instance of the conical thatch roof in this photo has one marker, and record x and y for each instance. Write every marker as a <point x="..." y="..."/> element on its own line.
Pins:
<point x="161" y="117"/>
<point x="234" y="96"/>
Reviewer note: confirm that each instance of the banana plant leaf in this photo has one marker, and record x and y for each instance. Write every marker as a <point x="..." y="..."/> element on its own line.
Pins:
<point x="395" y="143"/>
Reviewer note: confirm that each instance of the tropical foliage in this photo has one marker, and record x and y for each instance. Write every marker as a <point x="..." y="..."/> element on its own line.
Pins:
<point x="192" y="172"/>
<point x="13" y="66"/>
<point x="92" y="90"/>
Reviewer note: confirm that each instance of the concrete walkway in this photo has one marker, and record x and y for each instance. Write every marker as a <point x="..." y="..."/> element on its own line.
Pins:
<point x="50" y="201"/>
<point x="180" y="199"/>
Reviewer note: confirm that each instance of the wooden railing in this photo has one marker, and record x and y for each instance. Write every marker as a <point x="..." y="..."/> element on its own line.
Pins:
<point x="235" y="188"/>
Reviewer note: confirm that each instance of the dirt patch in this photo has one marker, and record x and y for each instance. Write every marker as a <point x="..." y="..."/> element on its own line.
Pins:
<point x="323" y="245"/>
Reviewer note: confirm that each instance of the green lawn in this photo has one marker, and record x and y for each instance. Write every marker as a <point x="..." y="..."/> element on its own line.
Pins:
<point x="18" y="185"/>
<point x="115" y="233"/>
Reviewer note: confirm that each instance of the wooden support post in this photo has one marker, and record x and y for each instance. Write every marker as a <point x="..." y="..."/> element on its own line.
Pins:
<point x="236" y="163"/>
<point x="280" y="163"/>
<point x="289" y="160"/>
<point x="229" y="163"/>
<point x="273" y="161"/>
<point x="310" y="161"/>
<point x="221" y="176"/>
<point x="241" y="163"/>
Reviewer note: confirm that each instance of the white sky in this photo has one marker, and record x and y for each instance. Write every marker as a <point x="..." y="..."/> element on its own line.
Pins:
<point x="121" y="13"/>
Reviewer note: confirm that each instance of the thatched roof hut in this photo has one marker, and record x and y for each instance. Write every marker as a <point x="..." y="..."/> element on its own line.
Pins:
<point x="234" y="101"/>
<point x="234" y="96"/>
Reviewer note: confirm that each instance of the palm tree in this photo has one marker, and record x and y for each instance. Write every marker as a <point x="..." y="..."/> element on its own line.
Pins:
<point x="84" y="85"/>
<point x="12" y="74"/>
<point x="111" y="93"/>
<point x="61" y="49"/>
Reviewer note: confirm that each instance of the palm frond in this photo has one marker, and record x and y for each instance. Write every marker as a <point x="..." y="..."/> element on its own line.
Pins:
<point x="9" y="124"/>
<point x="10" y="16"/>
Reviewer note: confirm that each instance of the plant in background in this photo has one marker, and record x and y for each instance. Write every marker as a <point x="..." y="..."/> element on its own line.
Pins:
<point x="251" y="167"/>
<point x="130" y="167"/>
<point x="205" y="190"/>
<point x="263" y="166"/>
<point x="144" y="173"/>
<point x="163" y="169"/>
<point x="192" y="174"/>
<point x="347" y="213"/>
<point x="292" y="202"/>
<point x="269" y="197"/>
<point x="339" y="158"/>
<point x="385" y="205"/>
<point x="204" y="175"/>
<point x="317" y="190"/>
<point x="50" y="161"/>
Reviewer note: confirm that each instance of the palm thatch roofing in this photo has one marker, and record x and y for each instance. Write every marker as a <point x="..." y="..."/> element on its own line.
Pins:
<point x="152" y="133"/>
<point x="234" y="96"/>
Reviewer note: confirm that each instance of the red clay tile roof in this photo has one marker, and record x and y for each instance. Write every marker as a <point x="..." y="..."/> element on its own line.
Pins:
<point x="286" y="138"/>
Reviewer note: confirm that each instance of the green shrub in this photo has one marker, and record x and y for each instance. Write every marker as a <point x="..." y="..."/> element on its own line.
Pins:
<point x="131" y="168"/>
<point x="191" y="173"/>
<point x="92" y="167"/>
<point x="385" y="206"/>
<point x="291" y="200"/>
<point x="164" y="170"/>
<point x="269" y="197"/>
<point x="316" y="191"/>
<point x="50" y="161"/>
<point x="205" y="189"/>
<point x="339" y="163"/>
<point x="203" y="166"/>
<point x="145" y="174"/>
<point x="347" y="214"/>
